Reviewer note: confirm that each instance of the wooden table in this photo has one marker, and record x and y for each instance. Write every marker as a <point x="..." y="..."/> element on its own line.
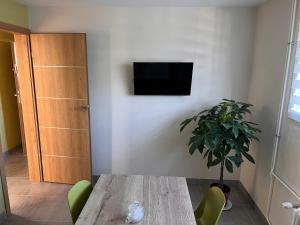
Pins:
<point x="166" y="201"/>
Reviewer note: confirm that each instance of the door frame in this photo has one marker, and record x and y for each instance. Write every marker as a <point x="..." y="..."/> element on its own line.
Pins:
<point x="13" y="28"/>
<point x="29" y="110"/>
<point x="35" y="173"/>
<point x="22" y="49"/>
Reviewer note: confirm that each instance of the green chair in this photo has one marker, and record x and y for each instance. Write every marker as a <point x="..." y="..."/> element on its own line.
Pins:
<point x="77" y="197"/>
<point x="211" y="207"/>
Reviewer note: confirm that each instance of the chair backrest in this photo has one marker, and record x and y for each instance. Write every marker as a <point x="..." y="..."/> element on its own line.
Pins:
<point x="211" y="207"/>
<point x="77" y="197"/>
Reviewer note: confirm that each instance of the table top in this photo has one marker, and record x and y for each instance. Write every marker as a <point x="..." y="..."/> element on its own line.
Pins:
<point x="166" y="200"/>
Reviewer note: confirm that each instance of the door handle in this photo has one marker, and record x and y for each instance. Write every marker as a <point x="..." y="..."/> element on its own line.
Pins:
<point x="289" y="205"/>
<point x="296" y="213"/>
<point x="84" y="108"/>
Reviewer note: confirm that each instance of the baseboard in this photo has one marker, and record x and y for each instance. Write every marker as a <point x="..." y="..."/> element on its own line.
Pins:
<point x="210" y="181"/>
<point x="253" y="204"/>
<point x="95" y="179"/>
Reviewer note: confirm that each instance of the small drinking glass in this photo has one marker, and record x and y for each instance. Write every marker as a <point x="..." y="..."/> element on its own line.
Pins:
<point x="135" y="213"/>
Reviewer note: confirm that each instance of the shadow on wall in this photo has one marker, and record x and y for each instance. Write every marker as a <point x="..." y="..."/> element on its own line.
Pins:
<point x="255" y="176"/>
<point x="264" y="154"/>
<point x="100" y="95"/>
<point x="128" y="76"/>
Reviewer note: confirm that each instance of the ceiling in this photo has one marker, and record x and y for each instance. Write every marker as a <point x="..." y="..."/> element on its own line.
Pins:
<point x="187" y="3"/>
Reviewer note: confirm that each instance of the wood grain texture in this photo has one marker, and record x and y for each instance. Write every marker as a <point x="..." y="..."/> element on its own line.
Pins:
<point x="58" y="49"/>
<point x="27" y="96"/>
<point x="62" y="113"/>
<point x="52" y="82"/>
<point x="53" y="142"/>
<point x="18" y="99"/>
<point x="166" y="201"/>
<point x="59" y="62"/>
<point x="65" y="169"/>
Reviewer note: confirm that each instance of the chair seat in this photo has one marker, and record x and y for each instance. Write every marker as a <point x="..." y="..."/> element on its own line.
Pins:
<point x="77" y="197"/>
<point x="199" y="222"/>
<point x="210" y="208"/>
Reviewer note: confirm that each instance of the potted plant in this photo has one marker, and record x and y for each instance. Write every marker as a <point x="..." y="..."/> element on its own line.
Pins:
<point x="223" y="137"/>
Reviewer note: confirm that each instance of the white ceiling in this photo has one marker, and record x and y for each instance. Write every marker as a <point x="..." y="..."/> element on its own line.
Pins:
<point x="188" y="3"/>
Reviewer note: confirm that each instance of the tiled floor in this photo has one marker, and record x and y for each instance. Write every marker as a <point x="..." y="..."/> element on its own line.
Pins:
<point x="243" y="211"/>
<point x="46" y="204"/>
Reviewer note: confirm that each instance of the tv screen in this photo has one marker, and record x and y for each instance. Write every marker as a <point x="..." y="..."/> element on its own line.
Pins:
<point x="162" y="78"/>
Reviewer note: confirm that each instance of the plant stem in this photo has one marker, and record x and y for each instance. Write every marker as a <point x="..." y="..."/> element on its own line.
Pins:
<point x="222" y="174"/>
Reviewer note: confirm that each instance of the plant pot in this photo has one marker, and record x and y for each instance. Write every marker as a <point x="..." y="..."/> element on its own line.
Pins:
<point x="226" y="190"/>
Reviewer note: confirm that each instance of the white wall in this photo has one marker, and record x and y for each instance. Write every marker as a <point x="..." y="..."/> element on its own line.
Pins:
<point x="140" y="134"/>
<point x="270" y="51"/>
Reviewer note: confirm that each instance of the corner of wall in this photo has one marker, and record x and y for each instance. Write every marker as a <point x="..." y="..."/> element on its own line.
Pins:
<point x="14" y="13"/>
<point x="269" y="61"/>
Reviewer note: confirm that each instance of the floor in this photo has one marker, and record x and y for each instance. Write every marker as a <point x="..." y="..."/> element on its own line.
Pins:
<point x="46" y="203"/>
<point x="33" y="203"/>
<point x="243" y="211"/>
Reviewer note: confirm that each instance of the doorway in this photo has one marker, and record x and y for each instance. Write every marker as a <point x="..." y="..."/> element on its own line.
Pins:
<point x="11" y="126"/>
<point x="51" y="96"/>
<point x="28" y="199"/>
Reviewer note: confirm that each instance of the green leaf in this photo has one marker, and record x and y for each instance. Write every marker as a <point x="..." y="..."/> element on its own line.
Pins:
<point x="255" y="138"/>
<point x="227" y="125"/>
<point x="235" y="131"/>
<point x="227" y="150"/>
<point x="248" y="156"/>
<point x="252" y="123"/>
<point x="222" y="130"/>
<point x="193" y="148"/>
<point x="204" y="111"/>
<point x="201" y="148"/>
<point x="197" y="139"/>
<point x="227" y="100"/>
<point x="230" y="143"/>
<point x="185" y="123"/>
<point x="206" y="153"/>
<point x="246" y="149"/>
<point x="237" y="160"/>
<point x="229" y="166"/>
<point x="209" y="142"/>
<point x="247" y="110"/>
<point x="216" y="161"/>
<point x="209" y="159"/>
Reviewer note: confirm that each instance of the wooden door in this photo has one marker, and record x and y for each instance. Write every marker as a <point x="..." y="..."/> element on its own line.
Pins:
<point x="60" y="76"/>
<point x="27" y="93"/>
<point x="20" y="111"/>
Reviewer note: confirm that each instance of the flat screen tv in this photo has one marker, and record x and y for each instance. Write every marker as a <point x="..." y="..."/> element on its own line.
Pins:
<point x="162" y="78"/>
